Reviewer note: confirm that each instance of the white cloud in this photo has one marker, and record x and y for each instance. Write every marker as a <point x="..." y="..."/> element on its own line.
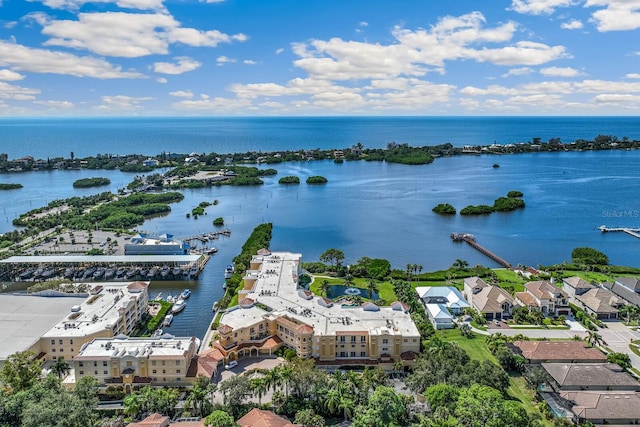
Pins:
<point x="128" y="35"/>
<point x="122" y="103"/>
<point x="633" y="76"/>
<point x="617" y="99"/>
<point x="10" y="76"/>
<point x="55" y="105"/>
<point x="182" y="94"/>
<point x="574" y="24"/>
<point x="539" y="7"/>
<point x="162" y="80"/>
<point x="17" y="93"/>
<point x="559" y="72"/>
<point x="9" y="25"/>
<point x="522" y="71"/>
<point x="249" y="62"/>
<point x="217" y="104"/>
<point x="221" y="60"/>
<point x="183" y="65"/>
<point x="617" y="15"/>
<point x="211" y="1"/>
<point x="129" y="4"/>
<point x="279" y="51"/>
<point x="23" y="58"/>
<point x="523" y="53"/>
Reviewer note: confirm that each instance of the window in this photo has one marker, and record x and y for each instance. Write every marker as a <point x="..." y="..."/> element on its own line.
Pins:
<point x="343" y="354"/>
<point x="81" y="372"/>
<point x="177" y="371"/>
<point x="60" y="342"/>
<point x="164" y="371"/>
<point x="343" y="338"/>
<point x="105" y="372"/>
<point x="363" y="339"/>
<point x="163" y="363"/>
<point x="177" y="363"/>
<point x="353" y="339"/>
<point x="352" y="354"/>
<point x="363" y="354"/>
<point x="61" y="350"/>
<point x="129" y="363"/>
<point x="71" y="342"/>
<point x="385" y="341"/>
<point x="385" y="348"/>
<point x="178" y="379"/>
<point x="104" y="363"/>
<point x="95" y="363"/>
<point x="81" y="364"/>
<point x="155" y="371"/>
<point x="53" y="350"/>
<point x="153" y="363"/>
<point x="95" y="373"/>
<point x="53" y="342"/>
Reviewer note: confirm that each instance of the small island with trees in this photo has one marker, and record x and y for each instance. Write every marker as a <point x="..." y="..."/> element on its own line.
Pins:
<point x="289" y="180"/>
<point x="10" y="186"/>
<point x="91" y="182"/>
<point x="317" y="180"/>
<point x="444" y="209"/>
<point x="512" y="202"/>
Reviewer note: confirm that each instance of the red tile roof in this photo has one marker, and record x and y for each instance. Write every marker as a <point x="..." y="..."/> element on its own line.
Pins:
<point x="260" y="418"/>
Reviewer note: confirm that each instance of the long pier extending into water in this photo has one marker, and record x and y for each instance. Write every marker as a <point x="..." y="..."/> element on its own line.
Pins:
<point x="635" y="232"/>
<point x="471" y="240"/>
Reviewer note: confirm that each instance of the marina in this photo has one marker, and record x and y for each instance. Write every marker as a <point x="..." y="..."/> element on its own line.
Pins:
<point x="635" y="232"/>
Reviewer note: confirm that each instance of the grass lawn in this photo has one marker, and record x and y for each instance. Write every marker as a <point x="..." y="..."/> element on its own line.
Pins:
<point x="385" y="289"/>
<point x="518" y="391"/>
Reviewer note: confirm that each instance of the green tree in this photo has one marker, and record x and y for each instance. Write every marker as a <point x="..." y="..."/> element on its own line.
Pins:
<point x="332" y="256"/>
<point x="621" y="359"/>
<point x="219" y="418"/>
<point x="385" y="408"/>
<point x="21" y="370"/>
<point x="60" y="367"/>
<point x="372" y="287"/>
<point x="235" y="391"/>
<point x="595" y="339"/>
<point x="308" y="418"/>
<point x="197" y="399"/>
<point x="588" y="256"/>
<point x="324" y="286"/>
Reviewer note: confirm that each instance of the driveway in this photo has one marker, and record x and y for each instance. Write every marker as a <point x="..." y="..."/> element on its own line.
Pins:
<point x="247" y="365"/>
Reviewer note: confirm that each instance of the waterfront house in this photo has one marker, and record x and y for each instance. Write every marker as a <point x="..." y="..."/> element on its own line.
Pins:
<point x="492" y="301"/>
<point x="441" y="303"/>
<point x="603" y="407"/>
<point x="261" y="418"/>
<point x="545" y="297"/>
<point x="589" y="376"/>
<point x="627" y="288"/>
<point x="596" y="301"/>
<point x="557" y="351"/>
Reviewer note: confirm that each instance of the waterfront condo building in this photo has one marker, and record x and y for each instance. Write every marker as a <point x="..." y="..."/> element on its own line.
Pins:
<point x="110" y="310"/>
<point x="274" y="311"/>
<point x="127" y="362"/>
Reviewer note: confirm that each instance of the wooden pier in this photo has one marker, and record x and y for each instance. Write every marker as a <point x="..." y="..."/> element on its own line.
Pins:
<point x="205" y="237"/>
<point x="635" y="232"/>
<point x="471" y="240"/>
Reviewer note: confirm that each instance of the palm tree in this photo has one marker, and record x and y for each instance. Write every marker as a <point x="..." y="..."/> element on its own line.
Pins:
<point x="595" y="339"/>
<point x="259" y="386"/>
<point x="60" y="367"/>
<point x="285" y="375"/>
<point x="332" y="400"/>
<point x="348" y="280"/>
<point x="347" y="405"/>
<point x="324" y="287"/>
<point x="197" y="399"/>
<point x="372" y="288"/>
<point x="409" y="273"/>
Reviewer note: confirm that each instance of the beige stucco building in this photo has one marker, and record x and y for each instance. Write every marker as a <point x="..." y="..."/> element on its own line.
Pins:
<point x="273" y="311"/>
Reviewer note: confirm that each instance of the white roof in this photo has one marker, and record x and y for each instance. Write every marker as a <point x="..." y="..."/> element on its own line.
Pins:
<point x="100" y="259"/>
<point x="454" y="298"/>
<point x="166" y="345"/>
<point x="439" y="312"/>
<point x="24" y="319"/>
<point x="97" y="312"/>
<point x="276" y="288"/>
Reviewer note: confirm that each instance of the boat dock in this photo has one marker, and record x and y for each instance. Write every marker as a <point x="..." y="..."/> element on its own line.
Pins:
<point x="635" y="232"/>
<point x="471" y="240"/>
<point x="205" y="237"/>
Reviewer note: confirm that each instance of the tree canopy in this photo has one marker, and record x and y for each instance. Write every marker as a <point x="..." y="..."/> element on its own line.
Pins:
<point x="588" y="256"/>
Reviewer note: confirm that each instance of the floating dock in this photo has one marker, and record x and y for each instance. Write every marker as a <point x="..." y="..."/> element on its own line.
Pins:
<point x="635" y="232"/>
<point x="471" y="240"/>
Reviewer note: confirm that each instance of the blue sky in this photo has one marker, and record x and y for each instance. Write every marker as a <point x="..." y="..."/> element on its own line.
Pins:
<point x="319" y="57"/>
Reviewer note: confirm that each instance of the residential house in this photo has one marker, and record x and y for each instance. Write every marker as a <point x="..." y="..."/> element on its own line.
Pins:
<point x="608" y="408"/>
<point x="261" y="418"/>
<point x="557" y="351"/>
<point x="589" y="376"/>
<point x="597" y="301"/>
<point x="627" y="288"/>
<point x="159" y="420"/>
<point x="545" y="297"/>
<point x="492" y="301"/>
<point x="440" y="303"/>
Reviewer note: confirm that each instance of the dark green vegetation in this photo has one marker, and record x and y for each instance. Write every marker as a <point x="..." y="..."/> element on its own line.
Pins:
<point x="588" y="256"/>
<point x="316" y="180"/>
<point x="91" y="182"/>
<point x="289" y="180"/>
<point x="404" y="154"/>
<point x="444" y="209"/>
<point x="218" y="221"/>
<point x="105" y="210"/>
<point x="512" y="202"/>
<point x="10" y="186"/>
<point x="260" y="238"/>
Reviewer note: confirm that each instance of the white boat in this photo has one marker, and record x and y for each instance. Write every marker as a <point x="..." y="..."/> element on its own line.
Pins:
<point x="171" y="298"/>
<point x="167" y="319"/>
<point x="185" y="294"/>
<point x="228" y="272"/>
<point x="178" y="306"/>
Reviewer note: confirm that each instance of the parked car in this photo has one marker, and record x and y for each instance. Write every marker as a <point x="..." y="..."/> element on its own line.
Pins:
<point x="231" y="364"/>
